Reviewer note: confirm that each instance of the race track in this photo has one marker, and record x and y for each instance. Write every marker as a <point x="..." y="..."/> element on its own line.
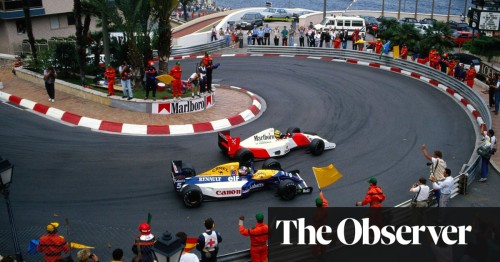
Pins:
<point x="106" y="184"/>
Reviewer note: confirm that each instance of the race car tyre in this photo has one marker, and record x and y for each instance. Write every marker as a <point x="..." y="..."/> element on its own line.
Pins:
<point x="223" y="149"/>
<point x="292" y="130"/>
<point x="188" y="170"/>
<point x="192" y="196"/>
<point x="272" y="164"/>
<point x="287" y="189"/>
<point x="244" y="156"/>
<point x="317" y="146"/>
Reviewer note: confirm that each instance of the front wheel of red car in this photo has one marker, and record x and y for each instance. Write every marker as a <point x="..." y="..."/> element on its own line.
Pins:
<point x="287" y="189"/>
<point x="317" y="146"/>
<point x="192" y="196"/>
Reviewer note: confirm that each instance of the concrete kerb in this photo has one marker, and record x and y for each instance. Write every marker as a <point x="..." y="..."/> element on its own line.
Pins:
<point x="248" y="115"/>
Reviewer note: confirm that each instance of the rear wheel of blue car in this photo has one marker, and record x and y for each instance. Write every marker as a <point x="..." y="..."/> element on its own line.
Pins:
<point x="317" y="146"/>
<point x="192" y="196"/>
<point x="287" y="189"/>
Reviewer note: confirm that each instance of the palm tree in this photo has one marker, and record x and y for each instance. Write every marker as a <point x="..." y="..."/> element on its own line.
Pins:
<point x="437" y="36"/>
<point x="29" y="28"/>
<point x="407" y="34"/>
<point x="162" y="11"/>
<point x="184" y="8"/>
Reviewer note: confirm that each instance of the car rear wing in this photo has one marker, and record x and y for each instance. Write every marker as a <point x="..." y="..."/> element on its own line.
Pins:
<point x="176" y="168"/>
<point x="231" y="144"/>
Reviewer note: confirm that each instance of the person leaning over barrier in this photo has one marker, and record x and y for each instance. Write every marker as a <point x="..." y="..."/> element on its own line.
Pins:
<point x="422" y="193"/>
<point x="446" y="187"/>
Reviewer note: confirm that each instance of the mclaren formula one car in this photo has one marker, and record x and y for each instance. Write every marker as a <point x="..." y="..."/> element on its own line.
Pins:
<point x="234" y="181"/>
<point x="271" y="143"/>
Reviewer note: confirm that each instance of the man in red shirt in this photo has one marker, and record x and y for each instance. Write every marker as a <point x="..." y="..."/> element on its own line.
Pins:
<point x="374" y="196"/>
<point x="404" y="52"/>
<point x="378" y="46"/>
<point x="52" y="244"/>
<point x="176" y="73"/>
<point x="110" y="75"/>
<point x="258" y="238"/>
<point x="470" y="75"/>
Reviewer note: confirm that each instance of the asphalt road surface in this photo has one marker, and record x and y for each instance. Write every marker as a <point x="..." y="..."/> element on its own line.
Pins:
<point x="104" y="185"/>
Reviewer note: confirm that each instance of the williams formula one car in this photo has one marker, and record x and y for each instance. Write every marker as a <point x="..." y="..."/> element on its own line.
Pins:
<point x="271" y="143"/>
<point x="234" y="181"/>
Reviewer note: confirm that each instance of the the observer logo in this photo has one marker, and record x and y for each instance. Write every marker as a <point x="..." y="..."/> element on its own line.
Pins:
<point x="351" y="232"/>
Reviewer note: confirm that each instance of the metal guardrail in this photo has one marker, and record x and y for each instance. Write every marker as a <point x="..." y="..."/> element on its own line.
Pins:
<point x="469" y="170"/>
<point x="211" y="46"/>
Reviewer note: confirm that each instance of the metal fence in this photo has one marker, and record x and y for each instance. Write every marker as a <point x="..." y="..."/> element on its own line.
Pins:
<point x="212" y="46"/>
<point x="469" y="170"/>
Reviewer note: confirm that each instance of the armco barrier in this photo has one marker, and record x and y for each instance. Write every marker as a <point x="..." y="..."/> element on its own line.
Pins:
<point x="469" y="170"/>
<point x="455" y="88"/>
<point x="196" y="49"/>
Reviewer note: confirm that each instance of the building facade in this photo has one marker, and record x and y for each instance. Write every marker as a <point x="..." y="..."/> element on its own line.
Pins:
<point x="49" y="18"/>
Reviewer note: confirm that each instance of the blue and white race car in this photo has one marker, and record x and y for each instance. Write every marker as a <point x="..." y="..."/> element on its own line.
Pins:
<point x="232" y="181"/>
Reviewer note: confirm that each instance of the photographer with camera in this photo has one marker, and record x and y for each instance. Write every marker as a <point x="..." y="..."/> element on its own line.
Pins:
<point x="437" y="168"/>
<point x="49" y="77"/>
<point x="422" y="193"/>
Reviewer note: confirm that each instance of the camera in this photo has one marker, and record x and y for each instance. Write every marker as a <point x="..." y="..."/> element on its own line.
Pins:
<point x="429" y="163"/>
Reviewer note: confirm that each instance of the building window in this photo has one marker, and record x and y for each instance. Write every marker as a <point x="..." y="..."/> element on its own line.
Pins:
<point x="71" y="19"/>
<point x="54" y="22"/>
<point x="21" y="26"/>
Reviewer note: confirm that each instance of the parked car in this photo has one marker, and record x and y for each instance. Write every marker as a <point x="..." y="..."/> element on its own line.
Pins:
<point x="250" y="20"/>
<point x="428" y="21"/>
<point x="467" y="60"/>
<point x="272" y="12"/>
<point x="371" y="23"/>
<point x="381" y="18"/>
<point x="459" y="26"/>
<point x="461" y="37"/>
<point x="410" y="20"/>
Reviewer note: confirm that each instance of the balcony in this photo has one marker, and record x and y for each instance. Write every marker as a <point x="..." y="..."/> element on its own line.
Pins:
<point x="11" y="5"/>
<point x="13" y="9"/>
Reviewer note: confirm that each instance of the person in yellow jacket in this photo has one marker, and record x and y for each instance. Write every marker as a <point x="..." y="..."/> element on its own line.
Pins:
<point x="258" y="238"/>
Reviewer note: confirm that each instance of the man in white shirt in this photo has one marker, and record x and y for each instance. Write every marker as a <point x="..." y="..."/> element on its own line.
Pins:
<point x="446" y="186"/>
<point x="422" y="192"/>
<point x="437" y="166"/>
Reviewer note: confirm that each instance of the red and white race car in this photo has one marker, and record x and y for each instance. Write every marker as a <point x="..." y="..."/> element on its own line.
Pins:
<point x="271" y="143"/>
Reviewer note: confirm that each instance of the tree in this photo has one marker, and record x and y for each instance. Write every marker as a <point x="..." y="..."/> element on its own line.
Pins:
<point x="162" y="11"/>
<point x="184" y="8"/>
<point x="405" y="33"/>
<point x="29" y="28"/>
<point x="80" y="34"/>
<point x="484" y="46"/>
<point x="437" y="36"/>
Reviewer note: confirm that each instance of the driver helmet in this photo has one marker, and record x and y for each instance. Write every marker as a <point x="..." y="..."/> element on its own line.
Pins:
<point x="277" y="133"/>
<point x="243" y="170"/>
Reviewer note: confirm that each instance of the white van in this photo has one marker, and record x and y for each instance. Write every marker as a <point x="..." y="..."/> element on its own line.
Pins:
<point x="349" y="23"/>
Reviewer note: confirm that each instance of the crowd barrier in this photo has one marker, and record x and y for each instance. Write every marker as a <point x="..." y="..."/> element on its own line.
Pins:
<point x="196" y="49"/>
<point x="470" y="170"/>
